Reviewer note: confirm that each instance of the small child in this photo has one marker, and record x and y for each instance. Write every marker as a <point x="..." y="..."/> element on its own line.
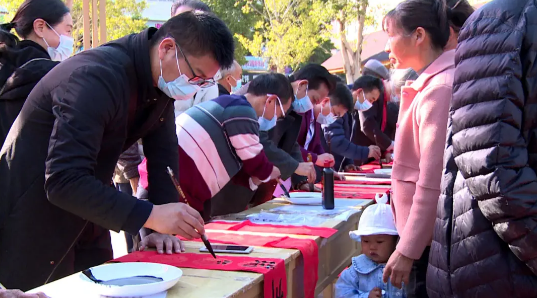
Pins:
<point x="378" y="235"/>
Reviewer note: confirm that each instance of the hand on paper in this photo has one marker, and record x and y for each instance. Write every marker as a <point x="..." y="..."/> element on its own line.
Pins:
<point x="339" y="177"/>
<point x="20" y="294"/>
<point x="275" y="173"/>
<point x="397" y="269"/>
<point x="389" y="157"/>
<point x="307" y="169"/>
<point x="176" y="218"/>
<point x="325" y="157"/>
<point x="306" y="187"/>
<point x="374" y="152"/>
<point x="162" y="242"/>
<point x="375" y="293"/>
<point x="351" y="167"/>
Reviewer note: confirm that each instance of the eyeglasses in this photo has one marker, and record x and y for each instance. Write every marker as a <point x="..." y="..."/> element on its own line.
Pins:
<point x="196" y="80"/>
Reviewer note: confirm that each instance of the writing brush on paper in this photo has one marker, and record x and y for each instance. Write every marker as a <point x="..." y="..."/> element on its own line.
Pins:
<point x="182" y="194"/>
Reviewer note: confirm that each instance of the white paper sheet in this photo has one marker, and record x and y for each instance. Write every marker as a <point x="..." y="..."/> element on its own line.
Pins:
<point x="308" y="215"/>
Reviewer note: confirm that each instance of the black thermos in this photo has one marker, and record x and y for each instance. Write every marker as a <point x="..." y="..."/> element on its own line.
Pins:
<point x="328" y="187"/>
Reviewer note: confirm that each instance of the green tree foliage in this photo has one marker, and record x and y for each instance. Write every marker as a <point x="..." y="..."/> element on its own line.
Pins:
<point x="285" y="31"/>
<point x="240" y="23"/>
<point x="122" y="17"/>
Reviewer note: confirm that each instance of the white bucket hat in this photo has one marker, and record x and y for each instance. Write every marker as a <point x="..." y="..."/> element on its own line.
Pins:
<point x="376" y="220"/>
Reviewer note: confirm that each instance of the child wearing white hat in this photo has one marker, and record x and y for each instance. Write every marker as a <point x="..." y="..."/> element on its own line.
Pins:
<point x="377" y="232"/>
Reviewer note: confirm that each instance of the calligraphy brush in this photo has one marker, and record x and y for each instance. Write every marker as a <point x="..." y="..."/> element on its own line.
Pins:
<point x="182" y="194"/>
<point x="380" y="158"/>
<point x="312" y="187"/>
<point x="284" y="189"/>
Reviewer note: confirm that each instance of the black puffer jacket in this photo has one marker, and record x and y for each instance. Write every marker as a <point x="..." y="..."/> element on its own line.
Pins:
<point x="485" y="235"/>
<point x="21" y="68"/>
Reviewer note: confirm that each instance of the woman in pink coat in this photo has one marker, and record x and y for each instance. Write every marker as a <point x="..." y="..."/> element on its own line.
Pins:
<point x="418" y="32"/>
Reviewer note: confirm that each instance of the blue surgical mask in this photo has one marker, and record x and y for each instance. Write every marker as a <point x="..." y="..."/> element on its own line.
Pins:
<point x="237" y="86"/>
<point x="266" y="124"/>
<point x="328" y="119"/>
<point x="366" y="105"/>
<point x="180" y="88"/>
<point x="303" y="104"/>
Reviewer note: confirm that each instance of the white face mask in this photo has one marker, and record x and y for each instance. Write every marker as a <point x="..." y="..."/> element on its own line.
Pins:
<point x="266" y="124"/>
<point x="64" y="49"/>
<point x="366" y="105"/>
<point x="217" y="76"/>
<point x="328" y="119"/>
<point x="303" y="104"/>
<point x="180" y="88"/>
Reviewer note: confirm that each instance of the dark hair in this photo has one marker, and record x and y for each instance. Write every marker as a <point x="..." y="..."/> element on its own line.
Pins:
<point x="367" y="83"/>
<point x="316" y="75"/>
<point x="431" y="15"/>
<point x="272" y="83"/>
<point x="458" y="11"/>
<point x="51" y="11"/>
<point x="199" y="33"/>
<point x="342" y="96"/>
<point x="195" y="4"/>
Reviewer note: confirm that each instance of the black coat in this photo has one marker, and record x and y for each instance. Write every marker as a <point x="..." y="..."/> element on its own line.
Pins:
<point x="369" y="125"/>
<point x="57" y="163"/>
<point x="485" y="235"/>
<point x="21" y="68"/>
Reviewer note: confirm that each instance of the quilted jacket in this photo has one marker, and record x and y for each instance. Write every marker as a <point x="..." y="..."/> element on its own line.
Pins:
<point x="485" y="234"/>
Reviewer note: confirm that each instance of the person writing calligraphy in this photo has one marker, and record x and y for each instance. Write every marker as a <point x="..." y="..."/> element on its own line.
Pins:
<point x="58" y="160"/>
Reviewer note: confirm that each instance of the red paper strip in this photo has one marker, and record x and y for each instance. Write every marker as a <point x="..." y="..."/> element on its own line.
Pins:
<point x="308" y="248"/>
<point x="248" y="226"/>
<point x="370" y="167"/>
<point x="365" y="182"/>
<point x="273" y="270"/>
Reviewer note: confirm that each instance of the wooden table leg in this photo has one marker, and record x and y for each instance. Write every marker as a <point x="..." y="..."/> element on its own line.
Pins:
<point x="328" y="292"/>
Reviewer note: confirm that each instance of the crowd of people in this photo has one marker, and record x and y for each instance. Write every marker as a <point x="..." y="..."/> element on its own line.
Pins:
<point x="87" y="140"/>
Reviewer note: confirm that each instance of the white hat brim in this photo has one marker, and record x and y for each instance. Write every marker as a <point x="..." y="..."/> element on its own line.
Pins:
<point x="357" y="235"/>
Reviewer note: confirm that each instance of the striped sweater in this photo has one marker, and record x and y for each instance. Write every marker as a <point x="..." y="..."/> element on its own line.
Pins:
<point x="218" y="138"/>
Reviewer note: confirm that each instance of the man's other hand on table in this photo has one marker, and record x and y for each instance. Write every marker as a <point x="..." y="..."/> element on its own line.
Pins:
<point x="163" y="243"/>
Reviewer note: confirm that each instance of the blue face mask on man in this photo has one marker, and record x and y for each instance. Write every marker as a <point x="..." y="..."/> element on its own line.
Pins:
<point x="268" y="124"/>
<point x="180" y="88"/>
<point x="328" y="119"/>
<point x="238" y="85"/>
<point x="302" y="105"/>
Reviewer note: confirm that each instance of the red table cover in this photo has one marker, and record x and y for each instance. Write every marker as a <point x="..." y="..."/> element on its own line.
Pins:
<point x="273" y="270"/>
<point x="308" y="248"/>
<point x="248" y="226"/>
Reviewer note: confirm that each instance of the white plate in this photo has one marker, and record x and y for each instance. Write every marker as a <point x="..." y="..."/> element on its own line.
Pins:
<point x="306" y="198"/>
<point x="384" y="171"/>
<point x="169" y="274"/>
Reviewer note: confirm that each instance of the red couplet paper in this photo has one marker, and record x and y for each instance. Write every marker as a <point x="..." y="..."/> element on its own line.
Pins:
<point x="370" y="167"/>
<point x="248" y="226"/>
<point x="308" y="248"/>
<point x="273" y="270"/>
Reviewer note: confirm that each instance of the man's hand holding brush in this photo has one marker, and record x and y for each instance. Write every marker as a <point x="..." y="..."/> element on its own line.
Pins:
<point x="176" y="219"/>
